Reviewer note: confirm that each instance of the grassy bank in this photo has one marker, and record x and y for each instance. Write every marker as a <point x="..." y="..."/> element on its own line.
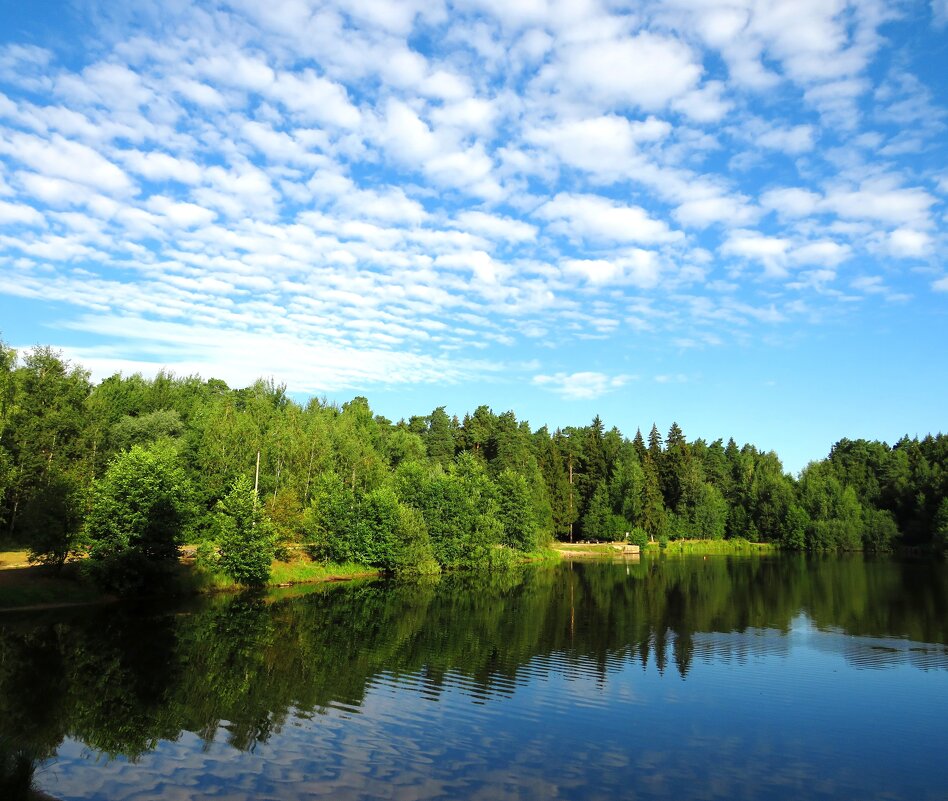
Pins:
<point x="32" y="586"/>
<point x="23" y="586"/>
<point x="608" y="550"/>
<point x="699" y="547"/>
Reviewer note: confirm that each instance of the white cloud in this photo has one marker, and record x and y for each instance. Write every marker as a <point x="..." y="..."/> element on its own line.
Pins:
<point x="581" y="385"/>
<point x="795" y="140"/>
<point x="301" y="170"/>
<point x="240" y="357"/>
<point x="705" y="104"/>
<point x="471" y="114"/>
<point x="185" y="215"/>
<point x="791" y="202"/>
<point x="644" y="71"/>
<point x="498" y="228"/>
<point x="770" y="251"/>
<point x="596" y="218"/>
<point x="908" y="243"/>
<point x="701" y="212"/>
<point x="880" y="199"/>
<point x="58" y="157"/>
<point x="825" y="252"/>
<point x="641" y="268"/>
<point x="602" y="145"/>
<point x="405" y="135"/>
<point x="158" y="166"/>
<point x="11" y="213"/>
<point x="314" y="99"/>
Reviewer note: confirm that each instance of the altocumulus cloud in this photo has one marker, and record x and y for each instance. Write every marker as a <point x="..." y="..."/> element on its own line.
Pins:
<point x="355" y="194"/>
<point x="583" y="385"/>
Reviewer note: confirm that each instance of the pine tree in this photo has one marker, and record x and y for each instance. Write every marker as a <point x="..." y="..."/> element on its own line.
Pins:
<point x="639" y="444"/>
<point x="653" y="518"/>
<point x="673" y="465"/>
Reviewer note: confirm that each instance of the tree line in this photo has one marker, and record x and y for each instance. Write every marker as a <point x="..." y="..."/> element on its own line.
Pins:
<point x="129" y="468"/>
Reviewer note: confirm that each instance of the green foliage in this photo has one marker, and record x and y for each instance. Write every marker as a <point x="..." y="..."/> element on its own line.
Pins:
<point x="413" y="554"/>
<point x="795" y="527"/>
<point x="244" y="535"/>
<point x="285" y="513"/>
<point x="376" y="532"/>
<point x="520" y="530"/>
<point x="141" y="430"/>
<point x="637" y="536"/>
<point x="52" y="520"/>
<point x="879" y="530"/>
<point x="598" y="520"/>
<point x="330" y="520"/>
<point x="138" y="513"/>
<point x="653" y="515"/>
<point x="338" y="479"/>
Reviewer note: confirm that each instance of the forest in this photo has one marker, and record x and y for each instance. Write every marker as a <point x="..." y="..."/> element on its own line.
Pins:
<point x="128" y="469"/>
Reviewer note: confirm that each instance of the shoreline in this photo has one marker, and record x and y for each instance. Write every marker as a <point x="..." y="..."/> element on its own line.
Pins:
<point x="66" y="590"/>
<point x="191" y="580"/>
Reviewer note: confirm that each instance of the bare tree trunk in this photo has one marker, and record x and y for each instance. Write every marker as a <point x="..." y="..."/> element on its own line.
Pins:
<point x="256" y="480"/>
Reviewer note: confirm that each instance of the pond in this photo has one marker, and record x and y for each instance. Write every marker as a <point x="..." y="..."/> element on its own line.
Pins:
<point x="689" y="678"/>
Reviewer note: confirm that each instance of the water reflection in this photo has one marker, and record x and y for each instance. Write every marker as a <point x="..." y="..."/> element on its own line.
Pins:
<point x="318" y="679"/>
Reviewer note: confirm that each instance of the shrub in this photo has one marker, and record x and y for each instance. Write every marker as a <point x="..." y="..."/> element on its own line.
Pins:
<point x="139" y="510"/>
<point x="244" y="536"/>
<point x="638" y="537"/>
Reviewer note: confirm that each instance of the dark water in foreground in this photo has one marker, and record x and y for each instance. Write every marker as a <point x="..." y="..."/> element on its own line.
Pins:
<point x="675" y="679"/>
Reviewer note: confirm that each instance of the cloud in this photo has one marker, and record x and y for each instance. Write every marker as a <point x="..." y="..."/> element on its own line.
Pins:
<point x="157" y="166"/>
<point x="881" y="199"/>
<point x="770" y="251"/>
<point x="435" y="183"/>
<point x="940" y="13"/>
<point x="791" y="202"/>
<point x="19" y="213"/>
<point x="602" y="145"/>
<point x="240" y="357"/>
<point x="798" y="139"/>
<point x="58" y="157"/>
<point x="502" y="228"/>
<point x="908" y="243"/>
<point x="638" y="267"/>
<point x="581" y="385"/>
<point x="314" y="99"/>
<point x="593" y="217"/>
<point x="644" y="71"/>
<point x="715" y="207"/>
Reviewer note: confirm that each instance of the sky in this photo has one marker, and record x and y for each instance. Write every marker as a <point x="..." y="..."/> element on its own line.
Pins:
<point x="729" y="214"/>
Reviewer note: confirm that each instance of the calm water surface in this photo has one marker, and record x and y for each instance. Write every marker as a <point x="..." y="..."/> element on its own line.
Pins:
<point x="669" y="679"/>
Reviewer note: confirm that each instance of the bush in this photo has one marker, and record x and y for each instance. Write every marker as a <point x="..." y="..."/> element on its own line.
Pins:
<point x="502" y="558"/>
<point x="879" y="530"/>
<point x="244" y="536"/>
<point x="638" y="537"/>
<point x="52" y="521"/>
<point x="414" y="554"/>
<point x="139" y="510"/>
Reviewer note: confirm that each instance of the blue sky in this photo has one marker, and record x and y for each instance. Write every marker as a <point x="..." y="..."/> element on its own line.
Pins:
<point x="725" y="213"/>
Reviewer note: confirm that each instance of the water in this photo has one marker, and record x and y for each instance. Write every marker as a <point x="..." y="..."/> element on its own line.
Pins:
<point x="672" y="679"/>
